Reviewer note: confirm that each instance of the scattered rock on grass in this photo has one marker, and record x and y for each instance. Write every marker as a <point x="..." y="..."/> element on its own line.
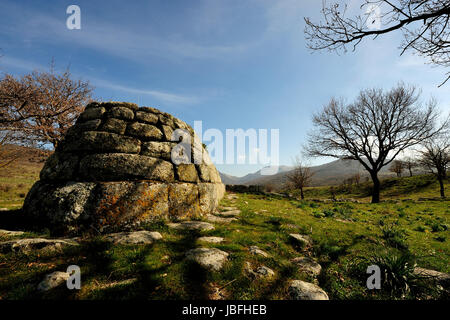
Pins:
<point x="209" y="258"/>
<point x="308" y="265"/>
<point x="227" y="208"/>
<point x="35" y="244"/>
<point x="136" y="237"/>
<point x="260" y="272"/>
<point x="216" y="219"/>
<point x="53" y="280"/>
<point x="211" y="239"/>
<point x="440" y="277"/>
<point x="301" y="290"/>
<point x="192" y="225"/>
<point x="10" y="233"/>
<point x="302" y="239"/>
<point x="257" y="251"/>
<point x="231" y="213"/>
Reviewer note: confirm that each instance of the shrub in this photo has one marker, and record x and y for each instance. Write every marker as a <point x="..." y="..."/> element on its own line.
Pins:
<point x="313" y="205"/>
<point x="318" y="214"/>
<point x="397" y="271"/>
<point x="328" y="213"/>
<point x="394" y="236"/>
<point x="437" y="227"/>
<point x="420" y="229"/>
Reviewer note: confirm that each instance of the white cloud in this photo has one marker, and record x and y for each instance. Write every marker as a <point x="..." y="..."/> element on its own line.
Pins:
<point x="160" y="95"/>
<point x="20" y="64"/>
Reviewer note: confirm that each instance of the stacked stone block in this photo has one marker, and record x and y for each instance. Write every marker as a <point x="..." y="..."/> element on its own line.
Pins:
<point x="114" y="171"/>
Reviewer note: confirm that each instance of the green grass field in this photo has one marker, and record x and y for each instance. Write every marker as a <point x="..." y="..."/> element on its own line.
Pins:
<point x="343" y="233"/>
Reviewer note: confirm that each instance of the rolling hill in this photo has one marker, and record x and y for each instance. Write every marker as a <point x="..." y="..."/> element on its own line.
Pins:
<point x="332" y="173"/>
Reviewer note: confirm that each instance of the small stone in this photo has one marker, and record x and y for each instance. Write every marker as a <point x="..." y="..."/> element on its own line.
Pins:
<point x="211" y="239"/>
<point x="53" y="280"/>
<point x="441" y="277"/>
<point x="192" y="225"/>
<point x="35" y="244"/>
<point x="112" y="104"/>
<point x="302" y="239"/>
<point x="103" y="142"/>
<point x="168" y="131"/>
<point x="144" y="131"/>
<point x="264" y="272"/>
<point x="116" y="166"/>
<point x="257" y="251"/>
<point x="157" y="149"/>
<point x="91" y="113"/>
<point x="166" y="119"/>
<point x="10" y="233"/>
<point x="187" y="172"/>
<point x="231" y="213"/>
<point x="147" y="117"/>
<point x="308" y="265"/>
<point x="75" y="131"/>
<point x="227" y="208"/>
<point x="121" y="113"/>
<point x="215" y="219"/>
<point x="260" y="272"/>
<point x="136" y="237"/>
<point x="301" y="290"/>
<point x="209" y="258"/>
<point x="114" y="125"/>
<point x="208" y="173"/>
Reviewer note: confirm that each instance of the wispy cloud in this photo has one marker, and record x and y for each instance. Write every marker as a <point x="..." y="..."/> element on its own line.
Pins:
<point x="114" y="39"/>
<point x="163" y="96"/>
<point x="11" y="62"/>
<point x="159" y="95"/>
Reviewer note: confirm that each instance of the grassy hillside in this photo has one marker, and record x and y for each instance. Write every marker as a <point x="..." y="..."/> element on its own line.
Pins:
<point x="415" y="187"/>
<point x="346" y="238"/>
<point x="18" y="177"/>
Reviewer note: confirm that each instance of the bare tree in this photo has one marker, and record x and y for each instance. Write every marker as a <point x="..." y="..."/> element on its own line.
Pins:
<point x="436" y="157"/>
<point x="410" y="164"/>
<point x="300" y="177"/>
<point x="39" y="107"/>
<point x="425" y="26"/>
<point x="374" y="129"/>
<point x="397" y="167"/>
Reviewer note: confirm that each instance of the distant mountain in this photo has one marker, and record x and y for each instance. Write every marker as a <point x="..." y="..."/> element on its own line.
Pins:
<point x="331" y="173"/>
<point x="249" y="178"/>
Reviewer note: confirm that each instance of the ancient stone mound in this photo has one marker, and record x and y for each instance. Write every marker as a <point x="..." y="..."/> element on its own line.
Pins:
<point x="120" y="166"/>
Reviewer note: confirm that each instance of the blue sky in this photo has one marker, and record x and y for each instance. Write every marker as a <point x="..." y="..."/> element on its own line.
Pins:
<point x="231" y="64"/>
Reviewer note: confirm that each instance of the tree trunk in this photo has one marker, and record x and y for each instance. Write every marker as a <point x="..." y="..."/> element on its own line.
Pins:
<point x="441" y="185"/>
<point x="410" y="172"/>
<point x="376" y="188"/>
<point x="302" y="196"/>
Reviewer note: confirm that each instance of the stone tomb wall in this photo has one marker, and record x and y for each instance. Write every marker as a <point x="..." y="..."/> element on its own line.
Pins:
<point x="113" y="171"/>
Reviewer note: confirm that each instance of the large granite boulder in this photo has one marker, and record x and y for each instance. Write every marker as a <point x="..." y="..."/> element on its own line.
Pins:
<point x="121" y="166"/>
